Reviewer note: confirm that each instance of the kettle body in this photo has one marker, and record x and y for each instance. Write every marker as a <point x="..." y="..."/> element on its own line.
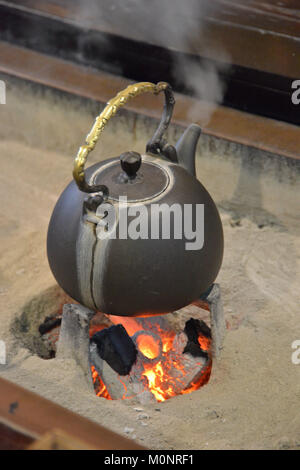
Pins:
<point x="164" y="248"/>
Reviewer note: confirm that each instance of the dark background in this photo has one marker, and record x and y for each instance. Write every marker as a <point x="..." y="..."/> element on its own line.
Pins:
<point x="254" y="45"/>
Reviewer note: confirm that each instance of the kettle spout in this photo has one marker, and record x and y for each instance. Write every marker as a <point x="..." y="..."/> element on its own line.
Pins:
<point x="186" y="148"/>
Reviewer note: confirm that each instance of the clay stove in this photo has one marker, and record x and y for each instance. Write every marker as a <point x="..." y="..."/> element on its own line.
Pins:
<point x="145" y="358"/>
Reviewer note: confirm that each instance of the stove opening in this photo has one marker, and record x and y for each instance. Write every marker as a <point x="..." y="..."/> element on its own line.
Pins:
<point x="163" y="363"/>
<point x="149" y="359"/>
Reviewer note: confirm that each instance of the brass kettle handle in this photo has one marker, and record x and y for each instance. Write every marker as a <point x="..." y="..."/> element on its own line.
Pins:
<point x="155" y="145"/>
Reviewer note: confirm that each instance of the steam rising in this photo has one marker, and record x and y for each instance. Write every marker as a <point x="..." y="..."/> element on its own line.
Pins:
<point x="205" y="82"/>
<point x="173" y="24"/>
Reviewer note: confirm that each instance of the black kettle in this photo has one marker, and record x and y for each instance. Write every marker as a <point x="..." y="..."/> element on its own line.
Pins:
<point x="138" y="234"/>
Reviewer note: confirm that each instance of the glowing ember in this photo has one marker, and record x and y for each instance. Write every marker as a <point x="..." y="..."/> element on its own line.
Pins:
<point x="148" y="346"/>
<point x="204" y="342"/>
<point x="166" y="371"/>
<point x="101" y="389"/>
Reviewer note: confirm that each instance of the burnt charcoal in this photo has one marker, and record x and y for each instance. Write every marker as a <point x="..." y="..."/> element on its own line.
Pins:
<point x="195" y="350"/>
<point x="49" y="324"/>
<point x="115" y="346"/>
<point x="193" y="328"/>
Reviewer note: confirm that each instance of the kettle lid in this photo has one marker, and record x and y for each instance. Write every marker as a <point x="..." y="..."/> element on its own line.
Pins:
<point x="132" y="175"/>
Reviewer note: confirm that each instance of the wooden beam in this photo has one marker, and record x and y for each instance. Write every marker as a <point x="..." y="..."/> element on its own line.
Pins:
<point x="34" y="416"/>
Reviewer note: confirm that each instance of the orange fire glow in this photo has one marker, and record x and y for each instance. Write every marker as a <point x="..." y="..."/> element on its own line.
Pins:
<point x="101" y="389"/>
<point x="148" y="346"/>
<point x="165" y="377"/>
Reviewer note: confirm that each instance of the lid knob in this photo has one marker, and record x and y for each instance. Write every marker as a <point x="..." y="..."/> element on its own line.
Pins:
<point x="130" y="163"/>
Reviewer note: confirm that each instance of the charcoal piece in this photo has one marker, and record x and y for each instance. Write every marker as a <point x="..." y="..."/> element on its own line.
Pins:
<point x="109" y="377"/>
<point x="115" y="346"/>
<point x="49" y="323"/>
<point x="193" y="328"/>
<point x="195" y="350"/>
